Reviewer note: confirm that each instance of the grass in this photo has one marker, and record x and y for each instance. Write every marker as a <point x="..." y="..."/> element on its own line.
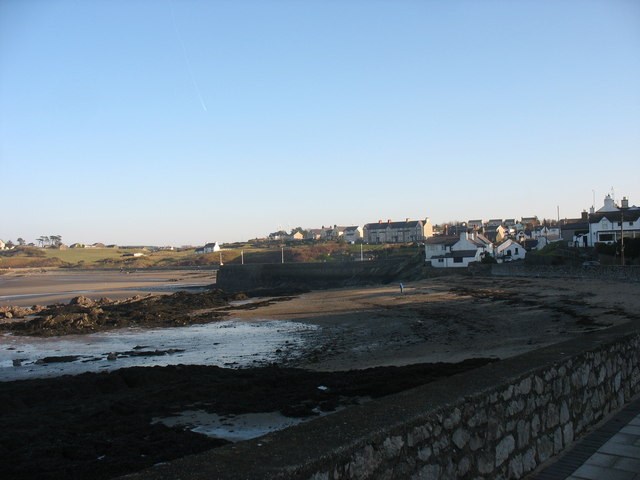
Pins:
<point x="233" y="254"/>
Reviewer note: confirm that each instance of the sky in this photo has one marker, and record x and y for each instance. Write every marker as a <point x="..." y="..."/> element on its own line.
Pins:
<point x="181" y="122"/>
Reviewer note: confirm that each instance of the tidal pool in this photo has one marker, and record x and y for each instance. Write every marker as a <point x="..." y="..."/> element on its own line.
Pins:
<point x="228" y="343"/>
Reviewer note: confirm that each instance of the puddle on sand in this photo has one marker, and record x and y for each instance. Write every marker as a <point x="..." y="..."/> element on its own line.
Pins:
<point x="231" y="427"/>
<point x="236" y="428"/>
<point x="229" y="343"/>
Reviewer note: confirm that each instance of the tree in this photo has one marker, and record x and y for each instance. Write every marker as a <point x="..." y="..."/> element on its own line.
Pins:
<point x="55" y="240"/>
<point x="21" y="241"/>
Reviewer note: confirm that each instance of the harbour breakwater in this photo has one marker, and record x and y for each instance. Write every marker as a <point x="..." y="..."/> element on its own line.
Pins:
<point x="309" y="276"/>
<point x="502" y="420"/>
<point x="600" y="272"/>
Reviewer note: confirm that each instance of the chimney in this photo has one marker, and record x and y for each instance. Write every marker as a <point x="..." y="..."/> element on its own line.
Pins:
<point x="379" y="221"/>
<point x="625" y="202"/>
<point x="389" y="221"/>
<point x="592" y="210"/>
<point x="585" y="215"/>
<point x="407" y="219"/>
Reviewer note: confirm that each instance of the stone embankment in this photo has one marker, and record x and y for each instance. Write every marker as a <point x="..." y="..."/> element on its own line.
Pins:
<point x="629" y="273"/>
<point x="499" y="421"/>
<point x="309" y="276"/>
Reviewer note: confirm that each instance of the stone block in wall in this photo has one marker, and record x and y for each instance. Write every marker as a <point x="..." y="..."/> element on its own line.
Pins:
<point x="557" y="440"/>
<point x="428" y="472"/>
<point x="392" y="446"/>
<point x="567" y="433"/>
<point x="552" y="416"/>
<point x="564" y="412"/>
<point x="460" y="438"/>
<point x="516" y="467"/>
<point x="523" y="433"/>
<point x="504" y="448"/>
<point x="485" y="463"/>
<point x="544" y="447"/>
<point x="529" y="459"/>
<point x="418" y="435"/>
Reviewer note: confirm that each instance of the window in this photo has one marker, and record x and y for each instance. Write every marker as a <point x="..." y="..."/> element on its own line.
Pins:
<point x="516" y="250"/>
<point x="458" y="260"/>
<point x="440" y="260"/>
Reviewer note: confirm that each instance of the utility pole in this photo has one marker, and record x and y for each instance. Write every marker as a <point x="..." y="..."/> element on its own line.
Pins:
<point x="282" y="256"/>
<point x="242" y="257"/>
<point x="361" y="255"/>
<point x="622" y="236"/>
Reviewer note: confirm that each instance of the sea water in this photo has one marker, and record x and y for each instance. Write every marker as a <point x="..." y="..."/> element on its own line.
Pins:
<point x="229" y="343"/>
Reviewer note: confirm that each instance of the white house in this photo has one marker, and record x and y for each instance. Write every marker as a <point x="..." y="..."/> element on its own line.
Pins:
<point x="208" y="248"/>
<point x="438" y="246"/>
<point x="459" y="251"/>
<point x="353" y="234"/>
<point x="3" y="246"/>
<point x="611" y="222"/>
<point x="509" y="250"/>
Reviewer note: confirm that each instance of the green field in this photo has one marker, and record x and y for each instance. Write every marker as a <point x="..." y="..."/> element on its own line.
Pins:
<point x="32" y="257"/>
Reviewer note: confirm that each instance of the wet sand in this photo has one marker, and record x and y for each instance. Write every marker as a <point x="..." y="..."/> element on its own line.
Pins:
<point x="26" y="287"/>
<point x="449" y="319"/>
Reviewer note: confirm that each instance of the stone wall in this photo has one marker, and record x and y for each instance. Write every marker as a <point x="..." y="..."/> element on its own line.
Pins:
<point x="627" y="273"/>
<point x="309" y="275"/>
<point x="500" y="421"/>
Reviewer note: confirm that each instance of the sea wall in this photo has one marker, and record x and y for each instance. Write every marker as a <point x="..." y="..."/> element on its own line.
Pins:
<point x="307" y="275"/>
<point x="610" y="272"/>
<point x="500" y="421"/>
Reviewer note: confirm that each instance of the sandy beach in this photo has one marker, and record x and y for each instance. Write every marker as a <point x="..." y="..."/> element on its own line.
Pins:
<point x="449" y="319"/>
<point x="26" y="287"/>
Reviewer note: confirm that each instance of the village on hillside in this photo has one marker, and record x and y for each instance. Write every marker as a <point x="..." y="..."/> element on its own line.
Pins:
<point x="504" y="240"/>
<point x="456" y="244"/>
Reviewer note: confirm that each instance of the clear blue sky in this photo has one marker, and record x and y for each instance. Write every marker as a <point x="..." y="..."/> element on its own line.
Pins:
<point x="184" y="122"/>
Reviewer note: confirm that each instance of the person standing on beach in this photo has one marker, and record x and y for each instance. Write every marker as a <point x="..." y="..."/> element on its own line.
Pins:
<point x="401" y="288"/>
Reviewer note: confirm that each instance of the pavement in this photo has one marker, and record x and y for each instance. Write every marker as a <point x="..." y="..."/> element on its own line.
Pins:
<point x="610" y="452"/>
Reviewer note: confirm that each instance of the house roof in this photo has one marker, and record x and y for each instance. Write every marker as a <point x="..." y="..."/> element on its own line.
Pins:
<point x="351" y="229"/>
<point x="482" y="239"/>
<point x="384" y="225"/>
<point x="576" y="226"/>
<point x="627" y="215"/>
<point x="442" y="240"/>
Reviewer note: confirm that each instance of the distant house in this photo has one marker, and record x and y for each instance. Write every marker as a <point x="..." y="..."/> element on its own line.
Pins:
<point x="509" y="250"/>
<point x="475" y="224"/>
<point x="336" y="232"/>
<point x="495" y="233"/>
<point x="319" y="233"/>
<point x="530" y="221"/>
<point x="353" y="234"/>
<point x="208" y="248"/>
<point x="408" y="231"/>
<point x="544" y="231"/>
<point x="438" y="246"/>
<point x="77" y="245"/>
<point x="457" y="251"/>
<point x="610" y="222"/>
<point x="297" y="236"/>
<point x="494" y="222"/>
<point x="3" y="246"/>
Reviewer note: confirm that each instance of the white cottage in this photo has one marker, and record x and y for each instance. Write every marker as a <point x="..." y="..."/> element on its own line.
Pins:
<point x="509" y="250"/>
